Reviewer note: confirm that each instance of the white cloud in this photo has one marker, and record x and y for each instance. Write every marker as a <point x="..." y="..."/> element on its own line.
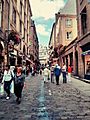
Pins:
<point x="45" y="8"/>
<point x="42" y="30"/>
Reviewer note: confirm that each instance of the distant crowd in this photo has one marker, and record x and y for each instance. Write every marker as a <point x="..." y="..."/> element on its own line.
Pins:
<point x="54" y="72"/>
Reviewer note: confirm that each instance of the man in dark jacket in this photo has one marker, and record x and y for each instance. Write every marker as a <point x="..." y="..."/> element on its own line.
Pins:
<point x="57" y="72"/>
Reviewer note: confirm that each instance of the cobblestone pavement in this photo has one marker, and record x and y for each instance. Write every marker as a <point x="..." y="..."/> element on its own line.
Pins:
<point x="49" y="101"/>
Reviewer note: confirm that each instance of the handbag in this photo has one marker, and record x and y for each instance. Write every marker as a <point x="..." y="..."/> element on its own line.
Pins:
<point x="1" y="89"/>
<point x="12" y="87"/>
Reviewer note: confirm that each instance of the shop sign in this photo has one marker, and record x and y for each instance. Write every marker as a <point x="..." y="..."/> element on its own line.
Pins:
<point x="86" y="52"/>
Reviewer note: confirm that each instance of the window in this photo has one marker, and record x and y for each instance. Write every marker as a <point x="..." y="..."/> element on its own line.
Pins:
<point x="69" y="35"/>
<point x="24" y="34"/>
<point x="27" y="38"/>
<point x="25" y="20"/>
<point x="45" y="53"/>
<point x="1" y="12"/>
<point x="25" y="4"/>
<point x="81" y="1"/>
<point x="20" y="26"/>
<point x="21" y="9"/>
<point x="68" y="22"/>
<point x="84" y="21"/>
<point x="14" y="16"/>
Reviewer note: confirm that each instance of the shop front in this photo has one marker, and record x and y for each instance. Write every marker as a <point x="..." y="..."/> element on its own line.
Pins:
<point x="1" y="56"/>
<point x="86" y="55"/>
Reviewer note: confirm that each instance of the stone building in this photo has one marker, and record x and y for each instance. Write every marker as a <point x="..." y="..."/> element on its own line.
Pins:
<point x="15" y="26"/>
<point x="64" y="30"/>
<point x="43" y="55"/>
<point x="83" y="40"/>
<point x="34" y="44"/>
<point x="77" y="52"/>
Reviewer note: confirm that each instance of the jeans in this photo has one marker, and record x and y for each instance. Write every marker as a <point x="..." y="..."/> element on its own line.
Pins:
<point x="57" y="80"/>
<point x="18" y="89"/>
<point x="7" y="87"/>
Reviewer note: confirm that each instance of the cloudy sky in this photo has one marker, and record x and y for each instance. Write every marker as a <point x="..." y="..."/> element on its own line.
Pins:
<point x="44" y="15"/>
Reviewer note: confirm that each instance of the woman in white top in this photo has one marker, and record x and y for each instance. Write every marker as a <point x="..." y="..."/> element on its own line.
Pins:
<point x="46" y="73"/>
<point x="64" y="73"/>
<point x="7" y="79"/>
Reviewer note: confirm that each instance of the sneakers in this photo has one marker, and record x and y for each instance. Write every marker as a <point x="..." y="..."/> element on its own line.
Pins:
<point x="7" y="98"/>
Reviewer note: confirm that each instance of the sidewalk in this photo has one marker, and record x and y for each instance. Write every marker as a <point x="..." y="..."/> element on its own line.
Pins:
<point x="84" y="80"/>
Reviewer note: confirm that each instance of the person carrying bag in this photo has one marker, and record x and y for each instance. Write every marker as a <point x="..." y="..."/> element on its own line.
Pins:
<point x="7" y="79"/>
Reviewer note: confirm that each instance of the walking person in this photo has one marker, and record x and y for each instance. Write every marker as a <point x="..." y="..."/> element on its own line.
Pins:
<point x="69" y="73"/>
<point x="7" y="79"/>
<point x="52" y="74"/>
<point x="57" y="72"/>
<point x="1" y="75"/>
<point x="64" y="73"/>
<point x="19" y="84"/>
<point x="46" y="73"/>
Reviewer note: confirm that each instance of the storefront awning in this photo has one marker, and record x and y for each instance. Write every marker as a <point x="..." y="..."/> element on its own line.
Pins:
<point x="86" y="52"/>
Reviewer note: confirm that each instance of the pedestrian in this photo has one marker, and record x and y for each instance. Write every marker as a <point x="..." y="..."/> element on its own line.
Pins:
<point x="64" y="73"/>
<point x="69" y="73"/>
<point x="1" y="75"/>
<point x="57" y="72"/>
<point x="52" y="74"/>
<point x="30" y="70"/>
<point x="19" y="84"/>
<point x="7" y="79"/>
<point x="40" y="71"/>
<point x="46" y="73"/>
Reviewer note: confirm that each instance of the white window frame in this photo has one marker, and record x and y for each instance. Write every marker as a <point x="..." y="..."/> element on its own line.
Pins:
<point x="69" y="35"/>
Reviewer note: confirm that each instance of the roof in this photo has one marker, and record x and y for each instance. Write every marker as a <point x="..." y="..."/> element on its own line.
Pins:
<point x="69" y="8"/>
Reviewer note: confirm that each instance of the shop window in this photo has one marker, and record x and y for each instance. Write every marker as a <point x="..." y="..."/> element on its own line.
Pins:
<point x="88" y="68"/>
<point x="12" y="61"/>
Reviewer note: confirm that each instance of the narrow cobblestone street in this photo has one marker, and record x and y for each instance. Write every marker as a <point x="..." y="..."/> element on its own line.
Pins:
<point x="47" y="101"/>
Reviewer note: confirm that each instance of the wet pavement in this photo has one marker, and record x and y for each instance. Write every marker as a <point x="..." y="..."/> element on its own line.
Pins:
<point x="48" y="101"/>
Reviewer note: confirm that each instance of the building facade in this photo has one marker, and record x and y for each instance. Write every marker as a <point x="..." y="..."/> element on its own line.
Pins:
<point x="77" y="52"/>
<point x="64" y="30"/>
<point x="15" y="30"/>
<point x="43" y="55"/>
<point x="83" y="42"/>
<point x="34" y="44"/>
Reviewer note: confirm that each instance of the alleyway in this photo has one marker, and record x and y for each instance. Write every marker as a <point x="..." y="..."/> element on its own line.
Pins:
<point x="47" y="101"/>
